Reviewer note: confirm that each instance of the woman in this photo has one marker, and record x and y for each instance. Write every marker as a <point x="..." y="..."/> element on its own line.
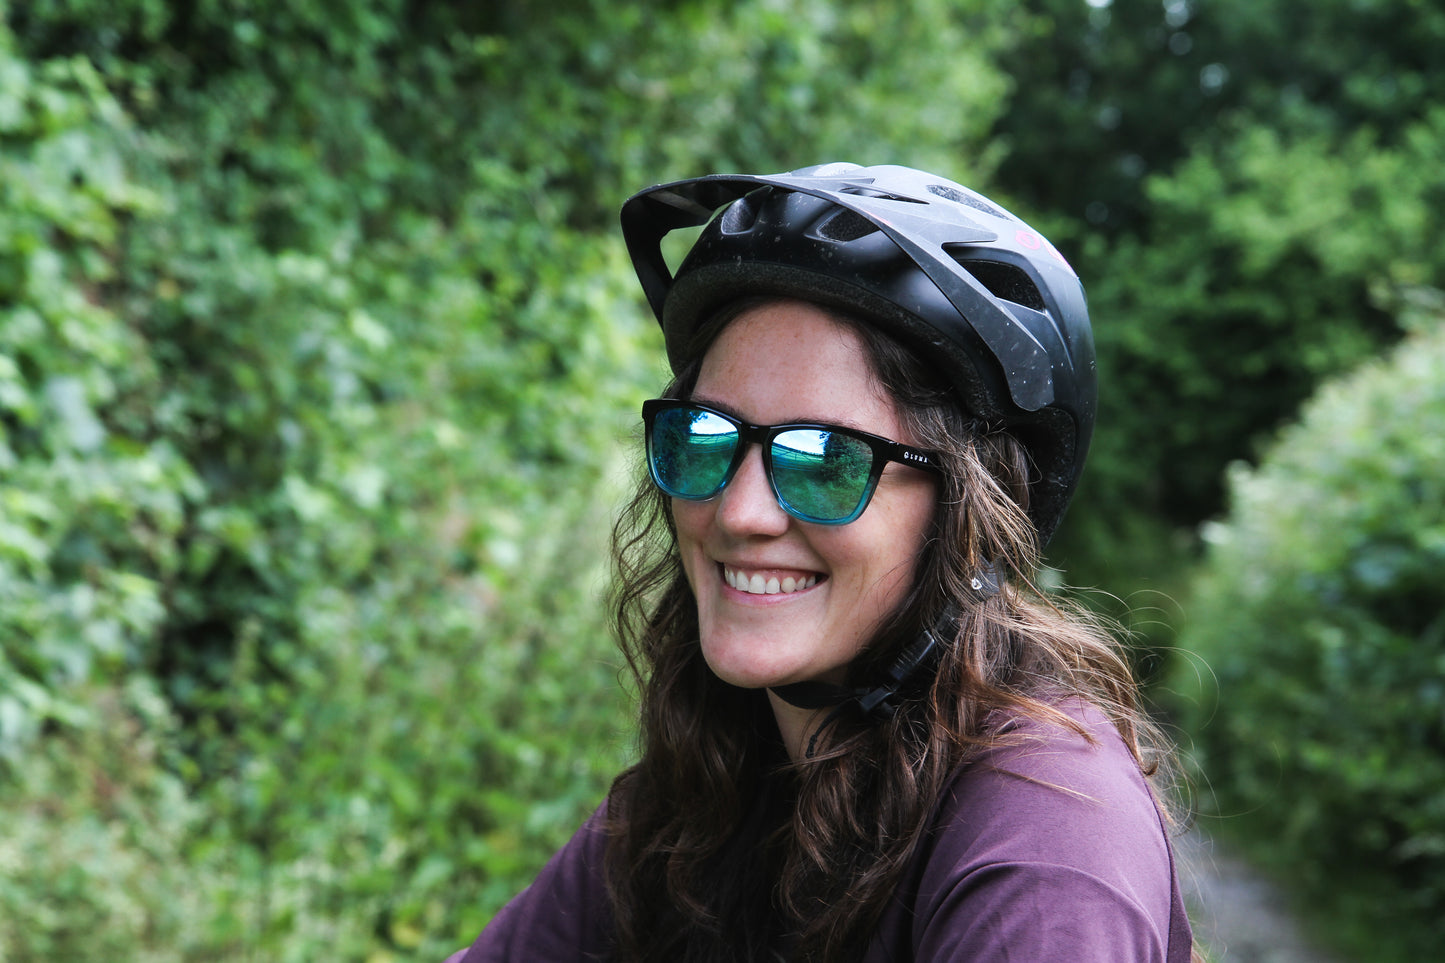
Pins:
<point x="865" y="736"/>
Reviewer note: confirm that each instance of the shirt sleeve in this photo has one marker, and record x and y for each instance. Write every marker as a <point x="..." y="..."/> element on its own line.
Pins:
<point x="1050" y="850"/>
<point x="563" y="917"/>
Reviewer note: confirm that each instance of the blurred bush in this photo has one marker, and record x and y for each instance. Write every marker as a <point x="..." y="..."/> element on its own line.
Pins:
<point x="299" y="480"/>
<point x="319" y="357"/>
<point x="1317" y="698"/>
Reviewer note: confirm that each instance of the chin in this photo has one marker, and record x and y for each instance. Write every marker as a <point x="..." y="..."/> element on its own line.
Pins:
<point x="741" y="668"/>
<point x="737" y="663"/>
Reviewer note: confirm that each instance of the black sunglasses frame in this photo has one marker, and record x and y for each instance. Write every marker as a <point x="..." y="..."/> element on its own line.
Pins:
<point x="884" y="450"/>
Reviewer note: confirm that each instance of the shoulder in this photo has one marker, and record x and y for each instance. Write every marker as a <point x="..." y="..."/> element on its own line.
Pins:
<point x="563" y="917"/>
<point x="1048" y="846"/>
<point x="1050" y="770"/>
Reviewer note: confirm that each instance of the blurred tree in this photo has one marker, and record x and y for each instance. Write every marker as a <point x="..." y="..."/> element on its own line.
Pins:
<point x="1109" y="94"/>
<point x="1318" y="712"/>
<point x="1246" y="193"/>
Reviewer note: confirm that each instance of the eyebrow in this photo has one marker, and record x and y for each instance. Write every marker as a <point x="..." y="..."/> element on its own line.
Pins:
<point x="728" y="409"/>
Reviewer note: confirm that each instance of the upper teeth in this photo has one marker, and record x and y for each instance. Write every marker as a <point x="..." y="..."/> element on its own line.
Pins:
<point x="767" y="585"/>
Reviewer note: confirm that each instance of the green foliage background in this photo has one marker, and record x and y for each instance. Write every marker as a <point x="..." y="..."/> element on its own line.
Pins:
<point x="319" y="359"/>
<point x="1319" y="653"/>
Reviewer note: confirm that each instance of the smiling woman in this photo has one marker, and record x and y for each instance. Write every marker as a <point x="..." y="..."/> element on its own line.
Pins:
<point x="865" y="737"/>
<point x="789" y="362"/>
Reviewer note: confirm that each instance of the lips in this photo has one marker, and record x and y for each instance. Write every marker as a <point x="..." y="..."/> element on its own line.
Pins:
<point x="769" y="582"/>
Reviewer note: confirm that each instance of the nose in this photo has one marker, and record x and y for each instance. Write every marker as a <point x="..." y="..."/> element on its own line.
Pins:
<point x="747" y="505"/>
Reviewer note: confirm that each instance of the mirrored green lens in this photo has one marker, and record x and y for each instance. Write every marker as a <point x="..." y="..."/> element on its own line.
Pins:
<point x="691" y="451"/>
<point x="821" y="474"/>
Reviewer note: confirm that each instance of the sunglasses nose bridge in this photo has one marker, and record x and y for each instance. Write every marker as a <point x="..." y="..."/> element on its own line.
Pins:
<point x="749" y="502"/>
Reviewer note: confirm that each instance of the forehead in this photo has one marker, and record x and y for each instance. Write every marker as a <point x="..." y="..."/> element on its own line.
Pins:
<point x="792" y="361"/>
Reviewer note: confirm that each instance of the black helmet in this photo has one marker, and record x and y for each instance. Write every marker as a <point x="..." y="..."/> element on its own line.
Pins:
<point x="970" y="287"/>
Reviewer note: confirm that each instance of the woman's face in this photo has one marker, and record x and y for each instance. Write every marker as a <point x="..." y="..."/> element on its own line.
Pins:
<point x="780" y="600"/>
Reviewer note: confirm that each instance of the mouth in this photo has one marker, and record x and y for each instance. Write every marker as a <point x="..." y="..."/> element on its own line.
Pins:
<point x="770" y="582"/>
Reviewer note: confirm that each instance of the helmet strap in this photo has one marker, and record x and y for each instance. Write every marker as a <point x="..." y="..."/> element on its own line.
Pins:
<point x="881" y="701"/>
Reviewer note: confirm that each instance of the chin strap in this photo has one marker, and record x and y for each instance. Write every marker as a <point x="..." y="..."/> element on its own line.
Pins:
<point x="917" y="659"/>
<point x="881" y="701"/>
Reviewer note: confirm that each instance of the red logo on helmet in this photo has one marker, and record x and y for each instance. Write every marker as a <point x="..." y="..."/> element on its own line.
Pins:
<point x="1029" y="240"/>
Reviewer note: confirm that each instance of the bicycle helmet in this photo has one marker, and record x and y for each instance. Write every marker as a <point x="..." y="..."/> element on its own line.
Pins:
<point x="970" y="287"/>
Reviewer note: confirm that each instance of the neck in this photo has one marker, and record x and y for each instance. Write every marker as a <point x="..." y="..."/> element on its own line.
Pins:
<point x="795" y="725"/>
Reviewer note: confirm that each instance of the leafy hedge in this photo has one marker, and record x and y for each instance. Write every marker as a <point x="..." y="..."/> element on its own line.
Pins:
<point x="319" y="354"/>
<point x="279" y="672"/>
<point x="1319" y="625"/>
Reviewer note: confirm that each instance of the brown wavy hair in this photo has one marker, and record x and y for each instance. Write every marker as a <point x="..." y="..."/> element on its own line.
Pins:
<point x="720" y="848"/>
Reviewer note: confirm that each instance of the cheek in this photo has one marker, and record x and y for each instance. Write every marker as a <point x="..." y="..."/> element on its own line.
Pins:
<point x="892" y="554"/>
<point x="690" y="520"/>
<point x="873" y="571"/>
<point x="890" y="579"/>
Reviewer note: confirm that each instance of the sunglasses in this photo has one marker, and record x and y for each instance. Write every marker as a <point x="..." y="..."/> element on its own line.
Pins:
<point x="819" y="473"/>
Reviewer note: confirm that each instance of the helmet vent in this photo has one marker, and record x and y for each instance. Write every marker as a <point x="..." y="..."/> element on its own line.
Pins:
<point x="740" y="215"/>
<point x="968" y="200"/>
<point x="859" y="191"/>
<point x="1005" y="281"/>
<point x="846" y="225"/>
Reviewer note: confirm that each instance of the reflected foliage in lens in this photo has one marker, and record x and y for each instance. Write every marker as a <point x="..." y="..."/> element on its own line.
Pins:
<point x="823" y="474"/>
<point x="691" y="451"/>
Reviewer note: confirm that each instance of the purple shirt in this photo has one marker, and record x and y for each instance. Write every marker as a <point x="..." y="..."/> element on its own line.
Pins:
<point x="1052" y="850"/>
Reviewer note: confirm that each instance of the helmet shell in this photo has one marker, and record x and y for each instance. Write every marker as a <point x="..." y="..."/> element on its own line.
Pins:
<point x="976" y="292"/>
